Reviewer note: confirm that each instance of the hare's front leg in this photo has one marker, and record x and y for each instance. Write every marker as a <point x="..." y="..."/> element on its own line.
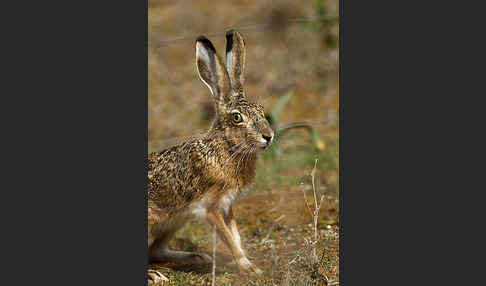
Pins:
<point x="231" y="223"/>
<point x="228" y="231"/>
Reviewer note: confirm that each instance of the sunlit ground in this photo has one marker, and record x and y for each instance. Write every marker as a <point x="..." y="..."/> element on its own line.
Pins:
<point x="286" y="57"/>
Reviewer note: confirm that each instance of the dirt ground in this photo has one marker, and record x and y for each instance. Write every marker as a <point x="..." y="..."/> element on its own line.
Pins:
<point x="291" y="49"/>
<point x="277" y="230"/>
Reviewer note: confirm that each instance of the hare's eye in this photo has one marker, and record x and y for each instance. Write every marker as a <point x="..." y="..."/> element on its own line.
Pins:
<point x="237" y="118"/>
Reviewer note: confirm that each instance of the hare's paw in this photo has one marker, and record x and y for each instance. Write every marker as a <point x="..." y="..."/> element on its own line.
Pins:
<point x="248" y="266"/>
<point x="155" y="278"/>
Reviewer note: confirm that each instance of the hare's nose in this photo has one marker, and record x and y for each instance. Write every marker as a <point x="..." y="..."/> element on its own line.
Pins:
<point x="267" y="138"/>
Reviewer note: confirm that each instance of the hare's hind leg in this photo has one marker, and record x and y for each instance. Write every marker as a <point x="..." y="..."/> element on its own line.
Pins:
<point x="155" y="278"/>
<point x="159" y="251"/>
<point x="167" y="255"/>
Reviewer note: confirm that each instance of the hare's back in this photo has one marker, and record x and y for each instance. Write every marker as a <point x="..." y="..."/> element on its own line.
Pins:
<point x="175" y="180"/>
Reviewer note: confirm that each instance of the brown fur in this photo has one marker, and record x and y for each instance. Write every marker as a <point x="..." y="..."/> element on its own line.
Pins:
<point x="201" y="177"/>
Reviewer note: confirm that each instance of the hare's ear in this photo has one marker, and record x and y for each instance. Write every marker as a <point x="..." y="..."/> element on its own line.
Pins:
<point x="235" y="58"/>
<point x="211" y="70"/>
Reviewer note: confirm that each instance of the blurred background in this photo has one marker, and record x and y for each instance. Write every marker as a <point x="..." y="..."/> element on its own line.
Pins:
<point x="292" y="66"/>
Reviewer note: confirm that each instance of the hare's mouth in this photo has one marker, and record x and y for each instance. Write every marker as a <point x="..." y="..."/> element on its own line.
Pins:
<point x="263" y="146"/>
<point x="265" y="142"/>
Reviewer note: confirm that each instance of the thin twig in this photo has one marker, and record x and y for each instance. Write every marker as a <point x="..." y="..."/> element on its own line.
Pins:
<point x="305" y="199"/>
<point x="316" y="210"/>
<point x="268" y="234"/>
<point x="214" y="255"/>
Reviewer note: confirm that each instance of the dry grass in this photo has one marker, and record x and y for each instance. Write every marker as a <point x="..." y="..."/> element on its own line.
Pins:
<point x="290" y="242"/>
<point x="281" y="231"/>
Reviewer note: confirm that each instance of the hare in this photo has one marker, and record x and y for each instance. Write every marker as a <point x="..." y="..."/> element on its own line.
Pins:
<point x="203" y="176"/>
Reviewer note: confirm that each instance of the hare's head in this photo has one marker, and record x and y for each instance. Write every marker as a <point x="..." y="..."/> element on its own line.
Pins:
<point x="240" y="122"/>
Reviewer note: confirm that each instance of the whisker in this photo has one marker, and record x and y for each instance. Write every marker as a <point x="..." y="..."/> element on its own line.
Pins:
<point x="240" y="147"/>
<point x="233" y="156"/>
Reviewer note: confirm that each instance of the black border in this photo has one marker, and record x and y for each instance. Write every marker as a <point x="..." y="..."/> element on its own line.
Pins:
<point x="405" y="207"/>
<point x="74" y="199"/>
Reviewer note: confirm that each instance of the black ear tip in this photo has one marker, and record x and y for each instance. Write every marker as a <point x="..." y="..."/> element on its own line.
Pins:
<point x="230" y="33"/>
<point x="229" y="41"/>
<point x="207" y="43"/>
<point x="201" y="38"/>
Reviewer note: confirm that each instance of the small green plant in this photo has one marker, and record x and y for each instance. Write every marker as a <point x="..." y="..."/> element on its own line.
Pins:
<point x="287" y="158"/>
<point x="281" y="129"/>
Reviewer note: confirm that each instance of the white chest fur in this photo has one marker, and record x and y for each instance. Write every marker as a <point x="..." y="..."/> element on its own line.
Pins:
<point x="227" y="200"/>
<point x="224" y="202"/>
